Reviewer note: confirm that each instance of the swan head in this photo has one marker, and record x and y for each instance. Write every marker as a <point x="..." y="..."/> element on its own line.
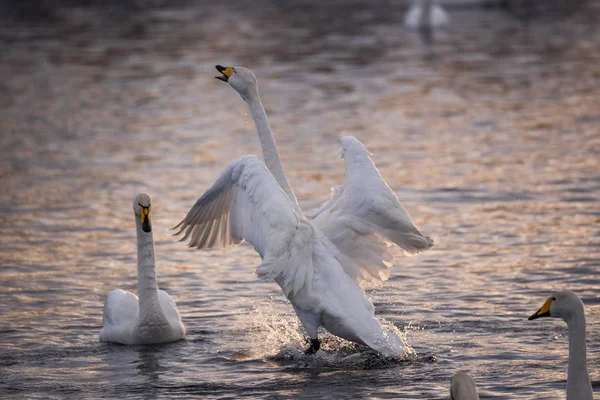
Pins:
<point x="565" y="305"/>
<point x="141" y="209"/>
<point x="462" y="387"/>
<point x="241" y="79"/>
<point x="351" y="146"/>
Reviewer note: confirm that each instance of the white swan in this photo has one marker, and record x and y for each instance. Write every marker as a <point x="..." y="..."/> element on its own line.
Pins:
<point x="425" y="14"/>
<point x="247" y="203"/>
<point x="363" y="217"/>
<point x="350" y="233"/>
<point x="462" y="387"/>
<point x="569" y="307"/>
<point x="153" y="318"/>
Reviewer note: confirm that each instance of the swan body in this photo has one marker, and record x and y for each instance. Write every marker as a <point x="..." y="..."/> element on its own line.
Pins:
<point x="568" y="306"/>
<point x="425" y="14"/>
<point x="462" y="387"/>
<point x="153" y="317"/>
<point x="247" y="203"/>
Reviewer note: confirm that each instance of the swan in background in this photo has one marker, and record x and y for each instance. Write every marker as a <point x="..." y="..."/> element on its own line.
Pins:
<point x="425" y="14"/>
<point x="569" y="307"/>
<point x="153" y="318"/>
<point x="462" y="387"/>
<point x="362" y="218"/>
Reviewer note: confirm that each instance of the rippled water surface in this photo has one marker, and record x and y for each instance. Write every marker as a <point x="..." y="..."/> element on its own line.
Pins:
<point x="489" y="136"/>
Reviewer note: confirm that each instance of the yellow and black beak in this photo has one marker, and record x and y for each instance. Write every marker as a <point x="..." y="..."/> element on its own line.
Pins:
<point x="544" y="311"/>
<point x="145" y="218"/>
<point x="226" y="71"/>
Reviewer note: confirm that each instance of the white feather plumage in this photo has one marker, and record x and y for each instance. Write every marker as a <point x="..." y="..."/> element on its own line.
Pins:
<point x="318" y="263"/>
<point x="151" y="318"/>
<point x="295" y="254"/>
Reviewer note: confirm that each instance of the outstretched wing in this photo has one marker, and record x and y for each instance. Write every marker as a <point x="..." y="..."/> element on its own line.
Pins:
<point x="244" y="203"/>
<point x="364" y="217"/>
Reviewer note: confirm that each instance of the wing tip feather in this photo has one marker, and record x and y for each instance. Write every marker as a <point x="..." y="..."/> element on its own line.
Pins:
<point x="419" y="246"/>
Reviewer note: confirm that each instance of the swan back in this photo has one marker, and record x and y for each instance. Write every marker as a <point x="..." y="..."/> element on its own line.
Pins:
<point x="462" y="387"/>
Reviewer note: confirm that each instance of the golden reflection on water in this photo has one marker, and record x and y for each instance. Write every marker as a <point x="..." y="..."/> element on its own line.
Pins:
<point x="491" y="146"/>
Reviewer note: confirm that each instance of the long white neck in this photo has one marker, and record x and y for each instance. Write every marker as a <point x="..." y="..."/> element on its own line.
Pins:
<point x="150" y="310"/>
<point x="269" y="148"/>
<point x="578" y="379"/>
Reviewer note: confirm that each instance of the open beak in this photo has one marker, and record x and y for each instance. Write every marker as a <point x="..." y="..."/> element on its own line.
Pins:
<point x="225" y="71"/>
<point x="145" y="218"/>
<point x="544" y="311"/>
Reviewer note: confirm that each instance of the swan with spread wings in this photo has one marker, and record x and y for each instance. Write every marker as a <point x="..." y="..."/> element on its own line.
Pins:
<point x="318" y="262"/>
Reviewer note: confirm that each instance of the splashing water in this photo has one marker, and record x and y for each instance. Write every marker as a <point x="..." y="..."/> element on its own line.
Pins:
<point x="287" y="343"/>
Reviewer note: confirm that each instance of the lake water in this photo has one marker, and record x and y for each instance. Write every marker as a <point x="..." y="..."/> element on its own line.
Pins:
<point x="489" y="136"/>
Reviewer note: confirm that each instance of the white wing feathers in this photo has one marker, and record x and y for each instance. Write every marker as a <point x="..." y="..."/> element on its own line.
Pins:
<point x="121" y="312"/>
<point x="364" y="217"/>
<point x="168" y="306"/>
<point x="121" y="307"/>
<point x="246" y="203"/>
<point x="295" y="268"/>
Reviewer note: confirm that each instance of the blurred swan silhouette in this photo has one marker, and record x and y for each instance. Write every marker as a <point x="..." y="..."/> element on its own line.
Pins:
<point x="317" y="262"/>
<point x="154" y="317"/>
<point x="425" y="16"/>
<point x="569" y="307"/>
<point x="425" y="13"/>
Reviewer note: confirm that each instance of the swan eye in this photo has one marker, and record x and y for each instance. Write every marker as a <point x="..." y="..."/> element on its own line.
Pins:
<point x="554" y="299"/>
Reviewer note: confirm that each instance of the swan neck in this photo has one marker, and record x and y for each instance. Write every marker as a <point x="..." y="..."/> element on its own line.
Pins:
<point x="269" y="148"/>
<point x="426" y="13"/>
<point x="578" y="380"/>
<point x="147" y="286"/>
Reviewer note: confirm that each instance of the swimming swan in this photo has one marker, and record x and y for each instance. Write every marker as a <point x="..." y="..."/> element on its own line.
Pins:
<point x="569" y="307"/>
<point x="247" y="203"/>
<point x="462" y="387"/>
<point x="362" y="218"/>
<point x="153" y="318"/>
